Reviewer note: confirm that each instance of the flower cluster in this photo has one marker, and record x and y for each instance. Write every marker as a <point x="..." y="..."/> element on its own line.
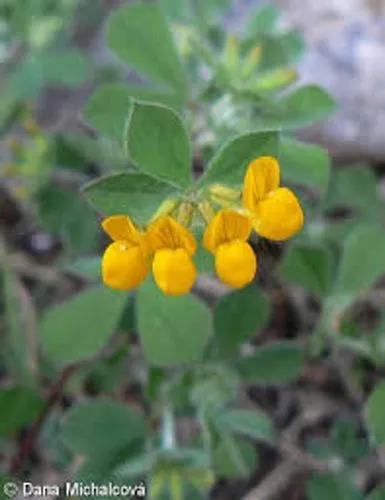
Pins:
<point x="168" y="247"/>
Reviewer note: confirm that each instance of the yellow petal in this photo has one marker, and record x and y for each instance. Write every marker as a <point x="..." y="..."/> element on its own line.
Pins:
<point x="166" y="232"/>
<point x="123" y="266"/>
<point x="174" y="271"/>
<point x="226" y="226"/>
<point x="121" y="227"/>
<point x="236" y="263"/>
<point x="279" y="216"/>
<point x="262" y="176"/>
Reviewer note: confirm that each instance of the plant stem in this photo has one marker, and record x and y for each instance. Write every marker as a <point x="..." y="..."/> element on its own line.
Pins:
<point x="168" y="429"/>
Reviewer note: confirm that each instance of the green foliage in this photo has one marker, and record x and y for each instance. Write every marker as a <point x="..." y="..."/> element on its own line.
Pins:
<point x="234" y="458"/>
<point x="81" y="326"/>
<point x="157" y="142"/>
<point x="355" y="188"/>
<point x="238" y="316"/>
<point x="309" y="267"/>
<point x="20" y="359"/>
<point x="109" y="107"/>
<point x="375" y="412"/>
<point x="108" y="110"/>
<point x="137" y="26"/>
<point x="132" y="193"/>
<point x="264" y="20"/>
<point x="275" y="363"/>
<point x="214" y="388"/>
<point x="333" y="487"/>
<point x="68" y="216"/>
<point x="250" y="423"/>
<point x="206" y="105"/>
<point x="18" y="406"/>
<point x="228" y="165"/>
<point x="357" y="272"/>
<point x="305" y="164"/>
<point x="305" y="105"/>
<point x="377" y="494"/>
<point x="173" y="330"/>
<point x="101" y="427"/>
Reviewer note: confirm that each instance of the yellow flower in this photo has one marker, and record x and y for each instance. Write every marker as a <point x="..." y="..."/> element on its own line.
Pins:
<point x="275" y="211"/>
<point x="226" y="237"/>
<point x="173" y="246"/>
<point x="125" y="261"/>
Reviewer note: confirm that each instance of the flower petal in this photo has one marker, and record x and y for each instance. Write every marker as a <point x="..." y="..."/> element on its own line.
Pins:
<point x="174" y="271"/>
<point x="279" y="216"/>
<point x="262" y="176"/>
<point x="236" y="263"/>
<point x="123" y="266"/>
<point x="121" y="227"/>
<point x="227" y="225"/>
<point x="166" y="232"/>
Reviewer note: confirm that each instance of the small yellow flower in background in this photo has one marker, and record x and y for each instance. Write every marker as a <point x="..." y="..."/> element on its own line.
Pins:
<point x="173" y="246"/>
<point x="226" y="237"/>
<point x="275" y="211"/>
<point x="125" y="261"/>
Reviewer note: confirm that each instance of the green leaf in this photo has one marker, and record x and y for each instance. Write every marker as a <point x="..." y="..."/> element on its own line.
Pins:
<point x="305" y="105"/>
<point x="273" y="53"/>
<point x="276" y="363"/>
<point x="139" y="35"/>
<point x="108" y="110"/>
<point x="293" y="45"/>
<point x="360" y="268"/>
<point x="234" y="458"/>
<point x="136" y="194"/>
<point x="177" y="10"/>
<point x="355" y="188"/>
<point x="101" y="427"/>
<point x="377" y="494"/>
<point x="158" y="143"/>
<point x="65" y="214"/>
<point x="346" y="440"/>
<point x="228" y="166"/>
<point x="309" y="267"/>
<point x="238" y="316"/>
<point x="19" y="318"/>
<point x="18" y="407"/>
<point x="81" y="326"/>
<point x="88" y="268"/>
<point x="332" y="487"/>
<point x="103" y="151"/>
<point x="252" y="423"/>
<point x="264" y="20"/>
<point x="215" y="388"/>
<point x="109" y="107"/>
<point x="305" y="164"/>
<point x="173" y="330"/>
<point x="375" y="413"/>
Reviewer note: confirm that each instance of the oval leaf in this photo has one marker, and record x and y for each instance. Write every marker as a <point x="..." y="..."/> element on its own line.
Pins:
<point x="173" y="330"/>
<point x="229" y="164"/>
<point x="238" y="316"/>
<point x="81" y="326"/>
<point x="134" y="194"/>
<point x="375" y="413"/>
<point x="157" y="142"/>
<point x="100" y="427"/>
<point x="277" y="363"/>
<point x="139" y="35"/>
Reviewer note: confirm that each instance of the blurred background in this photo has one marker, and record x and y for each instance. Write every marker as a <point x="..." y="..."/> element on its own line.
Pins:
<point x="53" y="56"/>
